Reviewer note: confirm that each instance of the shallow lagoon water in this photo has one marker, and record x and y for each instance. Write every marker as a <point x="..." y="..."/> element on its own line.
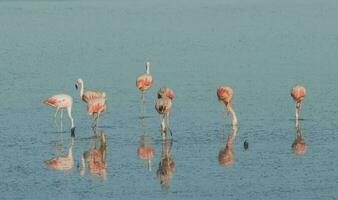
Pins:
<point x="260" y="48"/>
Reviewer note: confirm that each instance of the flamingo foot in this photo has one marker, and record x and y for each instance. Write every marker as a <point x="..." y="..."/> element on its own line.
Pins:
<point x="72" y="132"/>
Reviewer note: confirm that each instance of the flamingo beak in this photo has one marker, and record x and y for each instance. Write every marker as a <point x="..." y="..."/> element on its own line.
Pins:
<point x="76" y="87"/>
<point x="72" y="132"/>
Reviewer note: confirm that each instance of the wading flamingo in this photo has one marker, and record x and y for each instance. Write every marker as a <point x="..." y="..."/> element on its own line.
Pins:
<point x="96" y="101"/>
<point x="165" y="92"/>
<point x="226" y="155"/>
<point x="96" y="158"/>
<point x="144" y="81"/>
<point x="63" y="162"/>
<point x="166" y="166"/>
<point x="225" y="95"/>
<point x="163" y="107"/>
<point x="62" y="101"/>
<point x="298" y="93"/>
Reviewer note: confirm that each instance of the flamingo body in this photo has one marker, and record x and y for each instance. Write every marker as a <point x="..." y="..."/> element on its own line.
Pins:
<point x="165" y="92"/>
<point x="59" y="101"/>
<point x="163" y="106"/>
<point x="298" y="93"/>
<point x="144" y="82"/>
<point x="97" y="105"/>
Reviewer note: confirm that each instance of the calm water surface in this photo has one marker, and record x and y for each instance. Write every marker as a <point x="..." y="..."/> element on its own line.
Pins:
<point x="260" y="48"/>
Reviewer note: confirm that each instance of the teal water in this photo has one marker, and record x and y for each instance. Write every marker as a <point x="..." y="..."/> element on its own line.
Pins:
<point x="260" y="48"/>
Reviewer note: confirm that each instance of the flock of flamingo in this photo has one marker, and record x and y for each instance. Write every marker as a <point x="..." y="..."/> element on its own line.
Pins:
<point x="96" y="105"/>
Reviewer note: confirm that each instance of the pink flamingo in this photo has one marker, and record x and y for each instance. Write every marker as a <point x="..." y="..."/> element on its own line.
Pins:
<point x="163" y="107"/>
<point x="144" y="81"/>
<point x="96" y="101"/>
<point x="225" y="95"/>
<point x="165" y="92"/>
<point x="63" y="162"/>
<point x="62" y="101"/>
<point x="298" y="93"/>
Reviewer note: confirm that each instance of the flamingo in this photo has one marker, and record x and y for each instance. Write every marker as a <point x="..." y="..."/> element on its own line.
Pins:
<point x="144" y="81"/>
<point x="96" y="158"/>
<point x="62" y="101"/>
<point x="298" y="93"/>
<point x="163" y="107"/>
<point x="226" y="155"/>
<point x="225" y="94"/>
<point x="96" y="101"/>
<point x="165" y="92"/>
<point x="63" y="162"/>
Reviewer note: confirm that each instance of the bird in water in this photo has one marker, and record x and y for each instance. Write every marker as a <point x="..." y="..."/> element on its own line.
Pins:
<point x="225" y="94"/>
<point x="96" y="101"/>
<point x="62" y="101"/>
<point x="144" y="82"/>
<point x="298" y="93"/>
<point x="163" y="107"/>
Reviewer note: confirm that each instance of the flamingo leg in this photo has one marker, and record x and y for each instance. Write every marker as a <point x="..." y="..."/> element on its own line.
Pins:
<point x="143" y="108"/>
<point x="61" y="115"/>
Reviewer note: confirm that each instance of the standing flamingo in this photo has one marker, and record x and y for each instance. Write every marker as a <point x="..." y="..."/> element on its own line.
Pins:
<point x="163" y="107"/>
<point x="144" y="81"/>
<point x="225" y="95"/>
<point x="62" y="101"/>
<point x="298" y="93"/>
<point x="96" y="101"/>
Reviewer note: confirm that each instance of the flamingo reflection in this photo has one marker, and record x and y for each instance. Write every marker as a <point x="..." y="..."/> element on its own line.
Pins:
<point x="166" y="166"/>
<point x="62" y="162"/>
<point x="226" y="154"/>
<point x="298" y="146"/>
<point x="95" y="157"/>
<point x="145" y="151"/>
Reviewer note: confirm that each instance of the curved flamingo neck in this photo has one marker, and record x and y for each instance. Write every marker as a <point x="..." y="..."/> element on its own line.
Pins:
<point x="148" y="68"/>
<point x="234" y="117"/>
<point x="81" y="88"/>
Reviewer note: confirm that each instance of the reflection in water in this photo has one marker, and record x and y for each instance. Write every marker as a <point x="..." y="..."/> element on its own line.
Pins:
<point x="145" y="150"/>
<point x="62" y="162"/>
<point x="96" y="157"/>
<point x="226" y="155"/>
<point x="166" y="166"/>
<point x="298" y="146"/>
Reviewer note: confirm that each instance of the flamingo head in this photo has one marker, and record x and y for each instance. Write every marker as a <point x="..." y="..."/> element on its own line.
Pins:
<point x="298" y="93"/>
<point x="78" y="83"/>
